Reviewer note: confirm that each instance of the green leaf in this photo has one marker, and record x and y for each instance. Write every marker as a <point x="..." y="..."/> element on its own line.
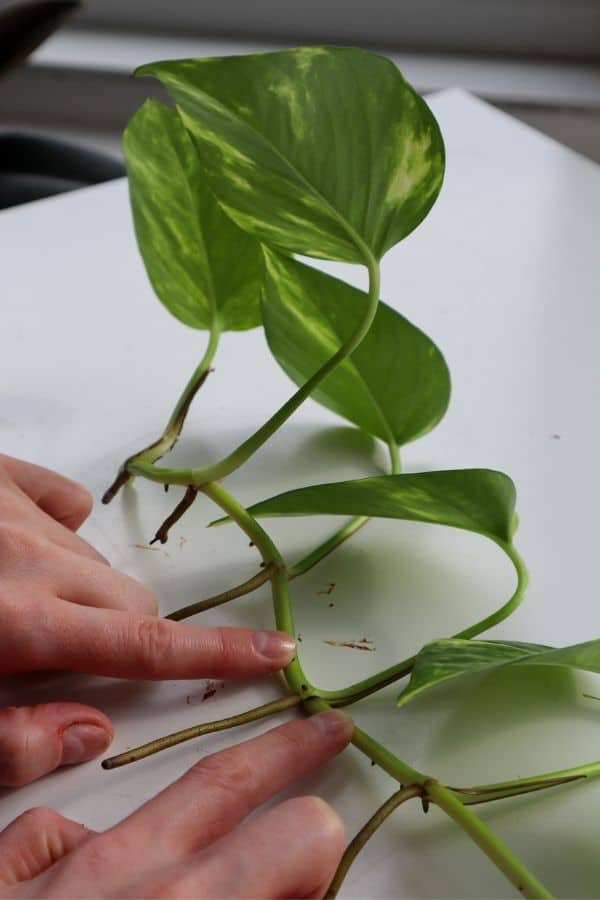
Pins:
<point x="396" y="383"/>
<point x="318" y="150"/>
<point x="479" y="500"/>
<point x="201" y="265"/>
<point x="441" y="660"/>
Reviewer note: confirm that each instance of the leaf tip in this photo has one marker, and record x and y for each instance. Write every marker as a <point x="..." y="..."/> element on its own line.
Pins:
<point x="224" y="520"/>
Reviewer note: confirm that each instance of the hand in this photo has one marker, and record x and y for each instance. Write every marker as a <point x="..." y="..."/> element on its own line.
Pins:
<point x="63" y="607"/>
<point x="186" y="842"/>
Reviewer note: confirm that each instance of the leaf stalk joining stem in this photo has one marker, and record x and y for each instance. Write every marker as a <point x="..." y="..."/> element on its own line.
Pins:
<point x="149" y="455"/>
<point x="201" y="476"/>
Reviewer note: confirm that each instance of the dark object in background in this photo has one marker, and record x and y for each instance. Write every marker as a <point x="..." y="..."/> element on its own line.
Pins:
<point x="34" y="166"/>
<point x="24" y="26"/>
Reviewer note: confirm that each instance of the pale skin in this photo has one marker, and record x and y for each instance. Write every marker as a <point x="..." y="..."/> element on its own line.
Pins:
<point x="63" y="607"/>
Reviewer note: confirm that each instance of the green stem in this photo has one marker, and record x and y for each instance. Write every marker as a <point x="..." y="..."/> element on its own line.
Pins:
<point x="299" y="568"/>
<point x="328" y="546"/>
<point x="504" y="789"/>
<point x="293" y="673"/>
<point x="494" y="848"/>
<point x="501" y="855"/>
<point x="350" y="528"/>
<point x="187" y="734"/>
<point x="200" y="477"/>
<point x="381" y="756"/>
<point x="171" y="434"/>
<point x="361" y="689"/>
<point x="444" y="797"/>
<point x="366" y="832"/>
<point x="509" y="607"/>
<point x="178" y="416"/>
<point x="246" y="587"/>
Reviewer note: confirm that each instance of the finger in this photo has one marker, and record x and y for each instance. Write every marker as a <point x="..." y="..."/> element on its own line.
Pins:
<point x="33" y="564"/>
<point x="23" y="515"/>
<point x="125" y="645"/>
<point x="35" y="841"/>
<point x="89" y="583"/>
<point x="66" y="501"/>
<point x="250" y="863"/>
<point x="35" y="740"/>
<point x="222" y="789"/>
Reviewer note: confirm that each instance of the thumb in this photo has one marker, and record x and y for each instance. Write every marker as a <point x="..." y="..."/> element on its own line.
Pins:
<point x="35" y="740"/>
<point x="34" y="842"/>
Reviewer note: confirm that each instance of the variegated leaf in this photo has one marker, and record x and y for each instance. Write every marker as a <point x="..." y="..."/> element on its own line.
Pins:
<point x="441" y="660"/>
<point x="479" y="500"/>
<point x="318" y="150"/>
<point x="201" y="265"/>
<point x="395" y="385"/>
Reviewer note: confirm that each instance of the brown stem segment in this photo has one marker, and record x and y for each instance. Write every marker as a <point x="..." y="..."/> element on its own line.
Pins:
<point x="122" y="478"/>
<point x="246" y="587"/>
<point x="155" y="451"/>
<point x="367" y="831"/>
<point x="187" y="734"/>
<point x="184" y="504"/>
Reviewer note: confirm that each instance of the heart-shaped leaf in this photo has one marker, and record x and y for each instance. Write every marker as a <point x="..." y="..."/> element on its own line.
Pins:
<point x="442" y="660"/>
<point x="204" y="269"/>
<point x="318" y="150"/>
<point x="395" y="385"/>
<point x="479" y="500"/>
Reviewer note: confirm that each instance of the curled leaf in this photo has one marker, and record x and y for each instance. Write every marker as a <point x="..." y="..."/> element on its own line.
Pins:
<point x="441" y="660"/>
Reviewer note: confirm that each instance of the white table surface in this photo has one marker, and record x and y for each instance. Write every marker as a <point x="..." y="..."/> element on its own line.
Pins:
<point x="504" y="275"/>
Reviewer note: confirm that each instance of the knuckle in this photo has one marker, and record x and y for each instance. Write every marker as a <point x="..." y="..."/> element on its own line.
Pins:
<point x="40" y="818"/>
<point x="321" y="819"/>
<point x="17" y="543"/>
<point x="225" y="648"/>
<point x="24" y="636"/>
<point x="154" y="644"/>
<point x="229" y="773"/>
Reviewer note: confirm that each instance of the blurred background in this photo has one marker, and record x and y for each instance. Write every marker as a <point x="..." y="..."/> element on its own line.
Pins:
<point x="65" y="67"/>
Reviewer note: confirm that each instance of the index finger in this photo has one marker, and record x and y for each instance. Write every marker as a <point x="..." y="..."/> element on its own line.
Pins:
<point x="129" y="645"/>
<point x="66" y="501"/>
<point x="216" y="794"/>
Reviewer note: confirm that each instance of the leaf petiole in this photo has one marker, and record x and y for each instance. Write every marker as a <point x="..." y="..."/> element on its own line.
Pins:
<point x="202" y="476"/>
<point x="188" y="734"/>
<point x="505" y="789"/>
<point x="366" y="832"/>
<point x="174" y="426"/>
<point x="512" y="603"/>
<point x="347" y="530"/>
<point x="246" y="587"/>
<point x="361" y="689"/>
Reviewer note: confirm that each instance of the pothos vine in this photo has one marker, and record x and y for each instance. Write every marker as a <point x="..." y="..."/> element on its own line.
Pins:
<point x="322" y="152"/>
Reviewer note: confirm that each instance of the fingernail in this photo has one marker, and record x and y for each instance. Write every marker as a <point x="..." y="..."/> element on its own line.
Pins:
<point x="333" y="723"/>
<point x="82" y="742"/>
<point x="273" y="645"/>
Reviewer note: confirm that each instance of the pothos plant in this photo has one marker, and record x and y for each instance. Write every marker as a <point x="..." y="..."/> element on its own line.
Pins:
<point x="329" y="153"/>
